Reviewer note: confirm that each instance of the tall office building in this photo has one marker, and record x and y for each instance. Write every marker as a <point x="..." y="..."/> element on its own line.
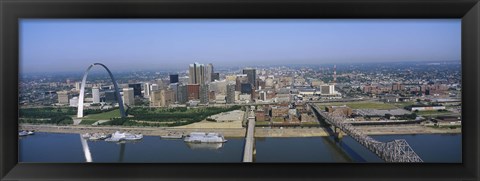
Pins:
<point x="110" y="96"/>
<point x="146" y="89"/>
<point x="174" y="88"/>
<point x="128" y="96"/>
<point x="155" y="98"/>
<point x="208" y="72"/>
<point x="182" y="94"/>
<point x="193" y="91"/>
<point x="96" y="95"/>
<point x="196" y="73"/>
<point x="252" y="75"/>
<point x="154" y="87"/>
<point x="63" y="97"/>
<point x="167" y="97"/>
<point x="230" y="94"/>
<point x="204" y="94"/>
<point x="246" y="88"/>
<point x="241" y="79"/>
<point x="173" y="78"/>
<point x="328" y="89"/>
<point x="215" y="76"/>
<point x="77" y="85"/>
<point x="137" y="89"/>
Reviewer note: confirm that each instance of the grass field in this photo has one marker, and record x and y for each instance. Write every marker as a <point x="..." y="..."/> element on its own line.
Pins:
<point x="359" y="105"/>
<point x="402" y="105"/>
<point x="88" y="121"/>
<point x="104" y="116"/>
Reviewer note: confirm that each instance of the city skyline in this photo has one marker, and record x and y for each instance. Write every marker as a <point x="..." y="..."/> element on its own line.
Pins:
<point x="173" y="44"/>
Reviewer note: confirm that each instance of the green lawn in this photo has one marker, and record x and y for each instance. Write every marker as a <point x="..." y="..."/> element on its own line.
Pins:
<point x="262" y="123"/>
<point x="402" y="105"/>
<point x="88" y="121"/>
<point x="359" y="105"/>
<point x="104" y="116"/>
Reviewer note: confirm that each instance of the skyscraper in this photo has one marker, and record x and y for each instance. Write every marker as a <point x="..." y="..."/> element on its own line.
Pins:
<point x="173" y="78"/>
<point x="246" y="88"/>
<point x="182" y="94"/>
<point x="63" y="97"/>
<point x="193" y="91"/>
<point x="167" y="97"/>
<point x="96" y="95"/>
<point x="154" y="87"/>
<point x="174" y="88"/>
<point x="251" y="74"/>
<point x="208" y="73"/>
<point x="137" y="89"/>
<point x="230" y="94"/>
<point x="155" y="98"/>
<point x="204" y="94"/>
<point x="128" y="97"/>
<point x="241" y="79"/>
<point x="196" y="73"/>
<point x="146" y="89"/>
<point x="110" y="96"/>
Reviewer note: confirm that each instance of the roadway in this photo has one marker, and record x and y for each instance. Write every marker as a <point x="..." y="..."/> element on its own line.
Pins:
<point x="249" y="138"/>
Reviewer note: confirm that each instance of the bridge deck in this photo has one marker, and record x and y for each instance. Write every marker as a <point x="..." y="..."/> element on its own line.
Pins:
<point x="393" y="151"/>
<point x="249" y="138"/>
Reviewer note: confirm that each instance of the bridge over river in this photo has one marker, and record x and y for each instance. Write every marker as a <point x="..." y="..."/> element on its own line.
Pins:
<point x="392" y="151"/>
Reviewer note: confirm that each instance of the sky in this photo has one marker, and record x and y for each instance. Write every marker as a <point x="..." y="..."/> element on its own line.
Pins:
<point x="63" y="45"/>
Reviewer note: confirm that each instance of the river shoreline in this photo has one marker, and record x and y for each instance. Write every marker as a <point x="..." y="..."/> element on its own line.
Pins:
<point x="240" y="132"/>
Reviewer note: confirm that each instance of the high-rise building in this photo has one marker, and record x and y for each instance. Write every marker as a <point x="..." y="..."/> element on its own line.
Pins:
<point x="328" y="89"/>
<point x="182" y="95"/>
<point x="167" y="97"/>
<point x="214" y="76"/>
<point x="220" y="87"/>
<point x="193" y="91"/>
<point x="74" y="102"/>
<point x="146" y="89"/>
<point x="96" y="95"/>
<point x="241" y="79"/>
<point x="63" y="97"/>
<point x="173" y="78"/>
<point x="110" y="96"/>
<point x="208" y="72"/>
<point x="137" y="89"/>
<point x="204" y="96"/>
<point x="230" y="98"/>
<point x="155" y="98"/>
<point x="252" y="75"/>
<point x="246" y="88"/>
<point x="128" y="96"/>
<point x="196" y="73"/>
<point x="174" y="88"/>
<point x="154" y="87"/>
<point x="77" y="85"/>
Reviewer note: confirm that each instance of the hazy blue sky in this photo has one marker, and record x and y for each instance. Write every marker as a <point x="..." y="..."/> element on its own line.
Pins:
<point x="72" y="45"/>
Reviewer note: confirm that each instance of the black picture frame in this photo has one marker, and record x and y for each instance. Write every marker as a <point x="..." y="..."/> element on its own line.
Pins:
<point x="12" y="10"/>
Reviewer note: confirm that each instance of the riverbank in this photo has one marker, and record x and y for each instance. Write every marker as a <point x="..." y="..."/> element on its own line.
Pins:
<point x="240" y="132"/>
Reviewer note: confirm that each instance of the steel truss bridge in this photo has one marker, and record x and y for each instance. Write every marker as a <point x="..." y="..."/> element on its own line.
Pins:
<point x="392" y="151"/>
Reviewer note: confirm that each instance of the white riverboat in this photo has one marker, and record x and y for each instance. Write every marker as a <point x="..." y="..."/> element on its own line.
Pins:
<point x="22" y="133"/>
<point x="172" y="136"/>
<point x="117" y="136"/>
<point x="201" y="137"/>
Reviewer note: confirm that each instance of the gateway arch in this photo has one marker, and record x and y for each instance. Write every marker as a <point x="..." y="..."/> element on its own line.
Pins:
<point x="82" y="91"/>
